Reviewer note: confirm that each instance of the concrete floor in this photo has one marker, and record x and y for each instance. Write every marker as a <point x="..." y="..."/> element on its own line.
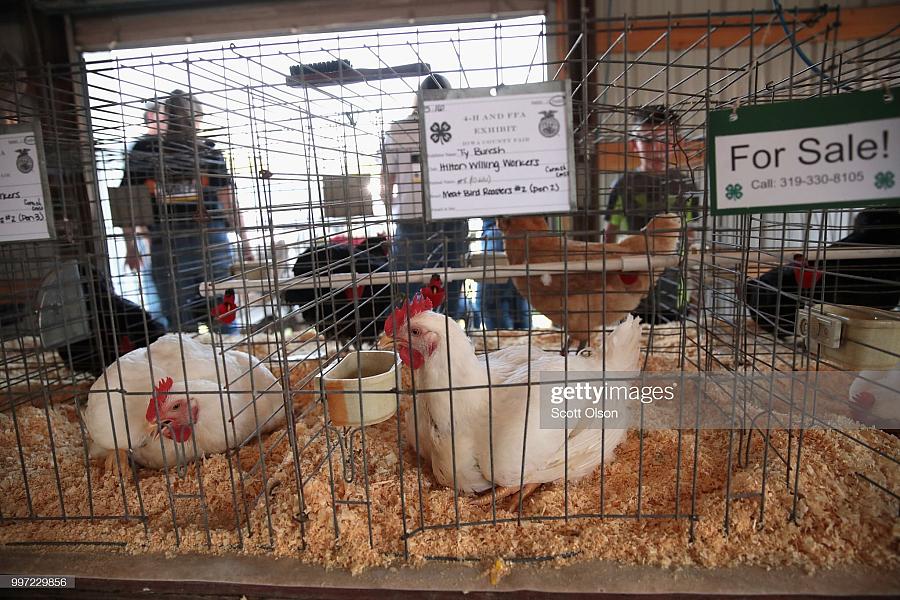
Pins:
<point x="110" y="575"/>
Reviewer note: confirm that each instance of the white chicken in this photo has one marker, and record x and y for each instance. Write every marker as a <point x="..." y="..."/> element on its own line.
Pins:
<point x="178" y="411"/>
<point x="443" y="358"/>
<point x="875" y="398"/>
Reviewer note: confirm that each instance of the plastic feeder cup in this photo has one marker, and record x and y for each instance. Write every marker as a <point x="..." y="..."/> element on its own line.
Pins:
<point x="371" y="373"/>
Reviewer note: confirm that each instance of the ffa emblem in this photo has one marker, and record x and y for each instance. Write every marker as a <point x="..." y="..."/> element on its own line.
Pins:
<point x="549" y="125"/>
<point x="24" y="162"/>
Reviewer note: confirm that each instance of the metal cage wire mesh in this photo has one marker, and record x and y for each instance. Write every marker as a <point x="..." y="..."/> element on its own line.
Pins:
<point x="302" y="155"/>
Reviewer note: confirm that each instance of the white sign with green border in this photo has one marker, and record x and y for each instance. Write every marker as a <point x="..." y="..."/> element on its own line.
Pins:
<point x="833" y="151"/>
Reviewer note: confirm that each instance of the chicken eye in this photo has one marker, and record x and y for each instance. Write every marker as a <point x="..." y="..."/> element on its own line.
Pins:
<point x="176" y="406"/>
<point x="416" y="331"/>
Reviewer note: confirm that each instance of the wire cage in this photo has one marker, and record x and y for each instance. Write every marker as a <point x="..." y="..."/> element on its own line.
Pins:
<point x="263" y="200"/>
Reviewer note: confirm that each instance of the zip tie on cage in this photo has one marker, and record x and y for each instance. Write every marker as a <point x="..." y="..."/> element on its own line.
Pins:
<point x="888" y="95"/>
<point x="755" y="64"/>
<point x="737" y="104"/>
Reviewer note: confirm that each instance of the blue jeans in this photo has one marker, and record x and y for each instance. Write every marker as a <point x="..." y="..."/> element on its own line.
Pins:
<point x="502" y="307"/>
<point x="178" y="274"/>
<point x="419" y="245"/>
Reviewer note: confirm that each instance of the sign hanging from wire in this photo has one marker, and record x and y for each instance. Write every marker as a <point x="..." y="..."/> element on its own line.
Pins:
<point x="835" y="151"/>
<point x="503" y="150"/>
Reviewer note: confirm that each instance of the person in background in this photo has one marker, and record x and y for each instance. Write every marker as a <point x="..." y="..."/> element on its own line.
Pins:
<point x="418" y="244"/>
<point x="193" y="207"/>
<point x="499" y="303"/>
<point x="136" y="240"/>
<point x="655" y="187"/>
<point x="135" y="237"/>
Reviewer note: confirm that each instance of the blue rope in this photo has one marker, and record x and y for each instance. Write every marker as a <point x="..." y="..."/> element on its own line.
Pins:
<point x="801" y="53"/>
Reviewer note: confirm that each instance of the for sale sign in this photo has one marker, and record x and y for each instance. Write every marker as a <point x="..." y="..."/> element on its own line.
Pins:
<point x="835" y="151"/>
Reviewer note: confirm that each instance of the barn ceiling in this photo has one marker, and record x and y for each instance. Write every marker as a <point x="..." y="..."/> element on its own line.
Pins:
<point x="97" y="7"/>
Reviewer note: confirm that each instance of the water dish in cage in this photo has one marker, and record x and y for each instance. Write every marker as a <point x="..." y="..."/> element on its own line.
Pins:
<point x="851" y="337"/>
<point x="774" y="298"/>
<point x="357" y="389"/>
<point x="359" y="393"/>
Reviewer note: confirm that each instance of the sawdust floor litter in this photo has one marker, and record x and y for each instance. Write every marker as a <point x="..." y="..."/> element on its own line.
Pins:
<point x="841" y="519"/>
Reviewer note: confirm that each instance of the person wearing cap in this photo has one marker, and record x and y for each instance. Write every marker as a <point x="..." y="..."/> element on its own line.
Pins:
<point x="417" y="244"/>
<point x="656" y="186"/>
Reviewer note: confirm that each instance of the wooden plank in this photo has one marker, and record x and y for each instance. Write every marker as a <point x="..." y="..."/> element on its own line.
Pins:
<point x="107" y="574"/>
<point x="854" y="24"/>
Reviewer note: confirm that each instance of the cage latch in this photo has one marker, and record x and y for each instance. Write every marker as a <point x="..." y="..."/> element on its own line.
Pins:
<point x="822" y="329"/>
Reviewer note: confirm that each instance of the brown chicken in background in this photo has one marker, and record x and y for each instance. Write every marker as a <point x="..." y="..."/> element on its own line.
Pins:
<point x="581" y="301"/>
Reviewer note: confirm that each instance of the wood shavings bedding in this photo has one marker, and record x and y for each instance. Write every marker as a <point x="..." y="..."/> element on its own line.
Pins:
<point x="36" y="376"/>
<point x="841" y="518"/>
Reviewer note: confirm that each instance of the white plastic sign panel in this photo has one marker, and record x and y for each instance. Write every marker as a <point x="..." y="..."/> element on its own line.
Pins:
<point x="836" y="151"/>
<point x="498" y="151"/>
<point x="24" y="210"/>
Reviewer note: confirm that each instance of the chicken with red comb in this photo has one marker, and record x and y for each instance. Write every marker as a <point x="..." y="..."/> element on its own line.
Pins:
<point x="434" y="291"/>
<point x="226" y="311"/>
<point x="160" y="390"/>
<point x="473" y="437"/>
<point x="179" y="399"/>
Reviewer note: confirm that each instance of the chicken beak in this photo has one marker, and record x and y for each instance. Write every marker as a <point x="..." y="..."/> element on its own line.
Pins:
<point x="385" y="343"/>
<point x="152" y="430"/>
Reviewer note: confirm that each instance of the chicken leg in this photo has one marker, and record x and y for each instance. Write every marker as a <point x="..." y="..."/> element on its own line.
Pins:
<point x="109" y="461"/>
<point x="510" y="494"/>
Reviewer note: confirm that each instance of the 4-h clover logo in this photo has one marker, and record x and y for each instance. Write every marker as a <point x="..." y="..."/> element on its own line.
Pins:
<point x="440" y="132"/>
<point x="733" y="191"/>
<point x="884" y="180"/>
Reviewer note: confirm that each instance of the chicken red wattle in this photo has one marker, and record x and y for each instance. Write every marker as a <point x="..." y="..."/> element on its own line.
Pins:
<point x="805" y="276"/>
<point x="178" y="426"/>
<point x="398" y="318"/>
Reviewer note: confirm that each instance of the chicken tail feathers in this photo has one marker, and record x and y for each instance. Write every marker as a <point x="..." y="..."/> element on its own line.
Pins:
<point x="622" y="347"/>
